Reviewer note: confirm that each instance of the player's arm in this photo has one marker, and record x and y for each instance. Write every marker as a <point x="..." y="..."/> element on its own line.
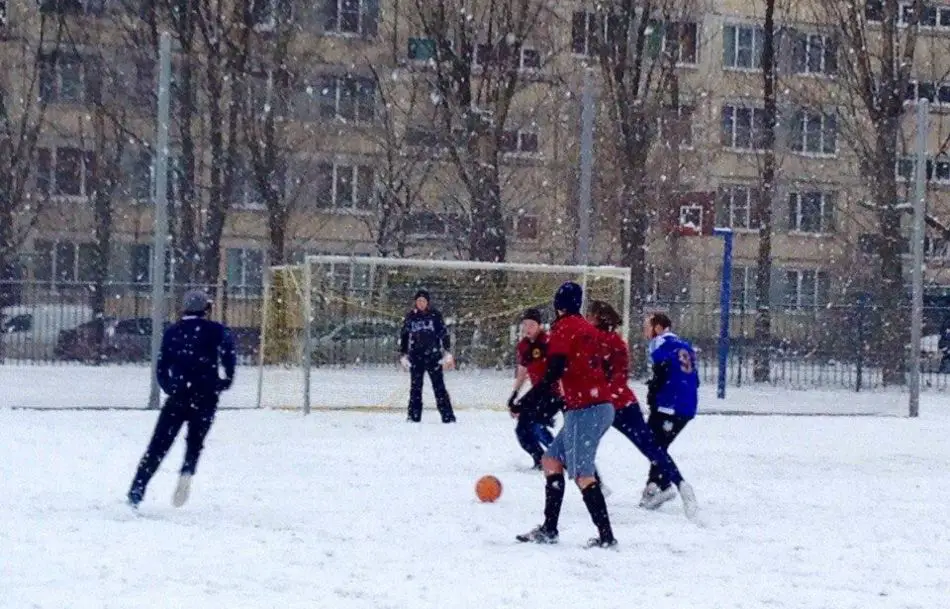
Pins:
<point x="164" y="364"/>
<point x="521" y="375"/>
<point x="404" y="337"/>
<point x="557" y="364"/>
<point x="228" y="354"/>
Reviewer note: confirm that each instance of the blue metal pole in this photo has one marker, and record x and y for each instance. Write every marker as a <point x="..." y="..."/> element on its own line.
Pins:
<point x="725" y="300"/>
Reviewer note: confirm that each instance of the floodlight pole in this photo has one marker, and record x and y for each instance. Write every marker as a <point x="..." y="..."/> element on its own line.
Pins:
<point x="917" y="248"/>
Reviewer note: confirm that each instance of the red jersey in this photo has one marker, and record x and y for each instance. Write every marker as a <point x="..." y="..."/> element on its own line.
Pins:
<point x="617" y="367"/>
<point x="584" y="382"/>
<point x="533" y="355"/>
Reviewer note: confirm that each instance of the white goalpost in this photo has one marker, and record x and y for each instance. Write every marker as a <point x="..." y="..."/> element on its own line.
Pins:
<point x="345" y="313"/>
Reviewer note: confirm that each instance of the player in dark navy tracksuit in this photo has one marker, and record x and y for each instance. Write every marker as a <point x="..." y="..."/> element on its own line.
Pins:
<point x="424" y="345"/>
<point x="536" y="418"/>
<point x="192" y="351"/>
<point x="672" y="395"/>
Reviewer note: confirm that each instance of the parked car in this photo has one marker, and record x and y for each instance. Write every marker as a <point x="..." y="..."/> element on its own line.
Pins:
<point x="31" y="331"/>
<point x="123" y="340"/>
<point x="364" y="340"/>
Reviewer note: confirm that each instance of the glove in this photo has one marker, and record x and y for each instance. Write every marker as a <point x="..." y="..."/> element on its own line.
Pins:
<point x="224" y="384"/>
<point x="404" y="361"/>
<point x="448" y="362"/>
<point x="512" y="400"/>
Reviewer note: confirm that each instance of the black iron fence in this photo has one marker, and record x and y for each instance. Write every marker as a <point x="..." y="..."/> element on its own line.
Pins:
<point x="822" y="347"/>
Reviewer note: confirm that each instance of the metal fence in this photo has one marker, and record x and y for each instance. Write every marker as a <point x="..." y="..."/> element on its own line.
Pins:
<point x="821" y="347"/>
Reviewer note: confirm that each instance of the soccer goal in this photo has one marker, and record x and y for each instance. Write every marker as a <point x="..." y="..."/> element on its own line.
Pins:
<point x="331" y="325"/>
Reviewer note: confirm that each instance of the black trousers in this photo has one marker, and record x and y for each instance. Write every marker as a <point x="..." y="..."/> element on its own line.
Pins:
<point x="665" y="428"/>
<point x="534" y="423"/>
<point x="198" y="412"/>
<point x="418" y="368"/>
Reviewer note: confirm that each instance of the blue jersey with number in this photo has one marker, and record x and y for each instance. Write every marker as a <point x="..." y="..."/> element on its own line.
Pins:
<point x="674" y="388"/>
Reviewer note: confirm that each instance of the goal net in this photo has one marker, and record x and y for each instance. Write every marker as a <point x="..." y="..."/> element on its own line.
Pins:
<point x="347" y="355"/>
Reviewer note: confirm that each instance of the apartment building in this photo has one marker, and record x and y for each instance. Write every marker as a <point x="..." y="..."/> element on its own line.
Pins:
<point x="359" y="118"/>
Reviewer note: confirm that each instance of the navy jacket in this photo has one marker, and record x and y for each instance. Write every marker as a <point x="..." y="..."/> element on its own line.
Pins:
<point x="424" y="334"/>
<point x="192" y="351"/>
<point x="674" y="388"/>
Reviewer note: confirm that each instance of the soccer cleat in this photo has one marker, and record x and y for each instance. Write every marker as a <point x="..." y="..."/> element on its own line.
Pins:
<point x="688" y="495"/>
<point x="538" y="535"/>
<point x="648" y="491"/>
<point x="659" y="498"/>
<point x="597" y="542"/>
<point x="134" y="498"/>
<point x="182" y="490"/>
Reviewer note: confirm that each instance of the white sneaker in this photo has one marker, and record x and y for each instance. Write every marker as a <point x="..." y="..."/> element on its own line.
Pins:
<point x="688" y="495"/>
<point x="658" y="498"/>
<point x="182" y="490"/>
<point x="648" y="491"/>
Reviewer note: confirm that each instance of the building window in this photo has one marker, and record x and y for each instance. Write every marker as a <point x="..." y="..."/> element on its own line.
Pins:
<point x="815" y="54"/>
<point x="677" y="40"/>
<point x="742" y="47"/>
<point x="738" y="207"/>
<point x="343" y="187"/>
<point x="813" y="133"/>
<point x="675" y="126"/>
<point x="743" y="287"/>
<point x="938" y="170"/>
<point x="245" y="271"/>
<point x="485" y="55"/>
<point x="65" y="172"/>
<point x="934" y="92"/>
<point x="811" y="212"/>
<point x="587" y="31"/>
<point x="352" y="16"/>
<point x="519" y="142"/>
<point x="523" y="227"/>
<point x="350" y="98"/>
<point x="422" y="49"/>
<point x="806" y="290"/>
<point x="64" y="79"/>
<point x="63" y="262"/>
<point x="3" y="13"/>
<point x="140" y="266"/>
<point x="73" y="7"/>
<point x="743" y="127"/>
<point x="423" y="225"/>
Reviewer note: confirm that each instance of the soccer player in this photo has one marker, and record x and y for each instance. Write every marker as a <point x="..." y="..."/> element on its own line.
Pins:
<point x="628" y="418"/>
<point x="672" y="395"/>
<point x="534" y="419"/>
<point x="424" y="345"/>
<point x="574" y="349"/>
<point x="192" y="350"/>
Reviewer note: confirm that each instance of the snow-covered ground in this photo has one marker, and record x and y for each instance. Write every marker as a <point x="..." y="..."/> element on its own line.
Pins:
<point x="345" y="510"/>
<point x="125" y="387"/>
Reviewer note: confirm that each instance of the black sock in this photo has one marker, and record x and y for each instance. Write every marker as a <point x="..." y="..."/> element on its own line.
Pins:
<point x="553" y="497"/>
<point x="597" y="506"/>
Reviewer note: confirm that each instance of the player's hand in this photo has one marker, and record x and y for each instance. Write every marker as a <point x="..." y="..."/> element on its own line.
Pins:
<point x="404" y="362"/>
<point x="224" y="384"/>
<point x="448" y="362"/>
<point x="512" y="400"/>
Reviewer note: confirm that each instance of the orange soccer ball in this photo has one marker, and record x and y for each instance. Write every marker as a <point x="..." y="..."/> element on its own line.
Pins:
<point x="488" y="489"/>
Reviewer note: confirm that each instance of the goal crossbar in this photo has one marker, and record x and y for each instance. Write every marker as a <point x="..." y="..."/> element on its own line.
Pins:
<point x="472" y="265"/>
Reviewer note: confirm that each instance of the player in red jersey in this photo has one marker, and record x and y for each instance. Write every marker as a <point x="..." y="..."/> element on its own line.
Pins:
<point x="537" y="417"/>
<point x="574" y="361"/>
<point x="628" y="418"/>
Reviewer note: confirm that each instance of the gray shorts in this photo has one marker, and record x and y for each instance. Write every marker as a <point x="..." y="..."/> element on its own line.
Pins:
<point x="575" y="446"/>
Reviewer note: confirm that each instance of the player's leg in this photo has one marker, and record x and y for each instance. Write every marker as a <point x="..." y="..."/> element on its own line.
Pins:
<point x="553" y="464"/>
<point x="665" y="429"/>
<point x="416" y="378"/>
<point x="200" y="420"/>
<point x="527" y="438"/>
<point x="442" y="401"/>
<point x="629" y="421"/>
<point x="589" y="428"/>
<point x="169" y="422"/>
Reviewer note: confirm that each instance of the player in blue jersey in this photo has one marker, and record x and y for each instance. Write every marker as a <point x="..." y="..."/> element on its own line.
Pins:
<point x="672" y="395"/>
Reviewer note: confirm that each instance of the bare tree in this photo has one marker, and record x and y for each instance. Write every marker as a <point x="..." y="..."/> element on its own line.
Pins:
<point x="406" y="161"/>
<point x="23" y="118"/>
<point x="475" y="52"/>
<point x="637" y="44"/>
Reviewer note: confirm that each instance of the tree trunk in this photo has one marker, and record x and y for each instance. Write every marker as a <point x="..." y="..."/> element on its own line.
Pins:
<point x="487" y="240"/>
<point x="894" y="332"/>
<point x="763" y="316"/>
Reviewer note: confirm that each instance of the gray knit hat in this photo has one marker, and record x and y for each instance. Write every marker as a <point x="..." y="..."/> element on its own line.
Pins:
<point x="195" y="301"/>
